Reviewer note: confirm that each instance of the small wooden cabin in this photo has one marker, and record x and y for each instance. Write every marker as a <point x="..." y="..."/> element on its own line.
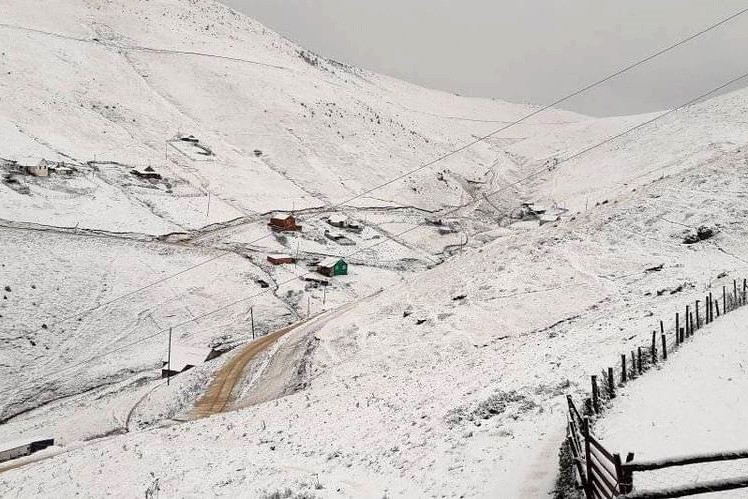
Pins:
<point x="338" y="220"/>
<point x="332" y="266"/>
<point x="21" y="448"/>
<point x="282" y="222"/>
<point x="281" y="259"/>
<point x="40" y="169"/>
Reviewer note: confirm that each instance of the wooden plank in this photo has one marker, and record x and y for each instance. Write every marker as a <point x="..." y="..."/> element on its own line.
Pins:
<point x="578" y="466"/>
<point x="657" y="464"/>
<point x="603" y="466"/>
<point x="600" y="447"/>
<point x="603" y="490"/>
<point x="608" y="484"/>
<point x="573" y="409"/>
<point x="689" y="490"/>
<point x="596" y="491"/>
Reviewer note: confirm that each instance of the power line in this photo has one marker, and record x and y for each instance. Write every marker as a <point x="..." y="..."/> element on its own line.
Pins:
<point x="444" y="156"/>
<point x="455" y="209"/>
<point x="441" y="158"/>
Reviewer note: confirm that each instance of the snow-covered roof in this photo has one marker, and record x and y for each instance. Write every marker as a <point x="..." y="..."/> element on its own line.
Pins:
<point x="282" y="216"/>
<point x="183" y="356"/>
<point x="279" y="256"/>
<point x="29" y="160"/>
<point x="337" y="218"/>
<point x="329" y="261"/>
<point x="22" y="442"/>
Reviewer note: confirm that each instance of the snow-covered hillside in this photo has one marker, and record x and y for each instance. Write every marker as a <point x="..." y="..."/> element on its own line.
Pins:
<point x="109" y="88"/>
<point x="439" y="368"/>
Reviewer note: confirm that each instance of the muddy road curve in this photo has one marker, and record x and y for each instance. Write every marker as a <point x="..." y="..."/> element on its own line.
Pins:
<point x="218" y="395"/>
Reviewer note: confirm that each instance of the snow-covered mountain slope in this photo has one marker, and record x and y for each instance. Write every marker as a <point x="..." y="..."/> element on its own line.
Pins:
<point x="107" y="87"/>
<point x="448" y="382"/>
<point x="117" y="81"/>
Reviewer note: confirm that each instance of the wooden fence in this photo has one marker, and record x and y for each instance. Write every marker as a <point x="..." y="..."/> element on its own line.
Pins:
<point x="596" y="470"/>
<point x="602" y="474"/>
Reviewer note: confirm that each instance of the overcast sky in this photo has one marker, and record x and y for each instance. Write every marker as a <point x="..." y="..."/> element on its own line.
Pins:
<point x="524" y="50"/>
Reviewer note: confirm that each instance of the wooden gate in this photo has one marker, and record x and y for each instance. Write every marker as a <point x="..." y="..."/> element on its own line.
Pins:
<point x="597" y="471"/>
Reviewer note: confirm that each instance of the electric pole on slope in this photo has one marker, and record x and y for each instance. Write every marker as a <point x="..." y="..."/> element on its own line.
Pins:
<point x="252" y="318"/>
<point x="168" y="361"/>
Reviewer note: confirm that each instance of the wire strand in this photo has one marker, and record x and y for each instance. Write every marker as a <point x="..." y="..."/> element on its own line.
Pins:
<point x="436" y="160"/>
<point x="421" y="224"/>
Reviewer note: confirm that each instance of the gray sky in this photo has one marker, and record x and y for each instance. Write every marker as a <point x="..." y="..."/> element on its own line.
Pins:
<point x="524" y="50"/>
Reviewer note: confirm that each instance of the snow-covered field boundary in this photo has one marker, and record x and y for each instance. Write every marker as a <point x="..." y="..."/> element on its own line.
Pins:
<point x="602" y="474"/>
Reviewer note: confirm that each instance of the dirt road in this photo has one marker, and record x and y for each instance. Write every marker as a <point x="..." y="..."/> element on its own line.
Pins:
<point x="218" y="395"/>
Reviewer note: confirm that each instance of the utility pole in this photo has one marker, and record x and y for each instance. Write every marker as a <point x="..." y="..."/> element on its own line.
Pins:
<point x="208" y="213"/>
<point x="252" y="318"/>
<point x="168" y="361"/>
<point x="324" y="294"/>
<point x="308" y="304"/>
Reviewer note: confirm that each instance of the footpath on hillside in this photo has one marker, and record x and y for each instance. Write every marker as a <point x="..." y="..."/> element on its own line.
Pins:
<point x="697" y="402"/>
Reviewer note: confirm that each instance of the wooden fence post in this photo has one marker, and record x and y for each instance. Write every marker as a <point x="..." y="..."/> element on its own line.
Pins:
<point x="745" y="289"/>
<point x="688" y="313"/>
<point x="620" y="478"/>
<point x="654" y="347"/>
<point x="716" y="307"/>
<point x="691" y="319"/>
<point x="626" y="483"/>
<point x="677" y="328"/>
<point x="711" y="307"/>
<point x="639" y="351"/>
<point x="587" y="459"/>
<point x="734" y="294"/>
<point x="611" y="384"/>
<point x="664" y="347"/>
<point x="595" y="395"/>
<point x="698" y="322"/>
<point x="724" y="300"/>
<point x="623" y="369"/>
<point x="633" y="365"/>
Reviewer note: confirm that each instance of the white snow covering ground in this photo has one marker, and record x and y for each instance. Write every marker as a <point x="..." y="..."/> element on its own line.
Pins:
<point x="446" y="373"/>
<point x="695" y="404"/>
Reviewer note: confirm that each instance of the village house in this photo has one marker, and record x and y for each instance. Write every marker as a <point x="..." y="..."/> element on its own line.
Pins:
<point x="338" y="238"/>
<point x="354" y="226"/>
<point x="147" y="173"/>
<point x="61" y="169"/>
<point x="281" y="259"/>
<point x="39" y="169"/>
<point x="332" y="266"/>
<point x="338" y="220"/>
<point x="25" y="447"/>
<point x="282" y="222"/>
<point x="315" y="280"/>
<point x="184" y="358"/>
